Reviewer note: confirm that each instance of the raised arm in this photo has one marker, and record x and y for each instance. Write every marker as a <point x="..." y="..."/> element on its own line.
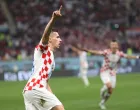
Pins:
<point x="47" y="31"/>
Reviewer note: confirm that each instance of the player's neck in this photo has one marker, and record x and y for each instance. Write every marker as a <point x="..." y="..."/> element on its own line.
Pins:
<point x="51" y="47"/>
<point x="114" y="52"/>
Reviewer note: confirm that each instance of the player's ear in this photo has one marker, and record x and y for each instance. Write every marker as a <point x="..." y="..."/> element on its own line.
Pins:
<point x="50" y="40"/>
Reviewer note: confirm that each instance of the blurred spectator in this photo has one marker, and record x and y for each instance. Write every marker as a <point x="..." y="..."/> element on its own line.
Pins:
<point x="92" y="23"/>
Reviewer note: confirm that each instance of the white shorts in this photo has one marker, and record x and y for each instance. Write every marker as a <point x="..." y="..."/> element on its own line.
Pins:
<point x="106" y="77"/>
<point x="40" y="100"/>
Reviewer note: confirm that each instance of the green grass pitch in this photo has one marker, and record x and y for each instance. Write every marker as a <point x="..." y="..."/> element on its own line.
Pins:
<point x="75" y="96"/>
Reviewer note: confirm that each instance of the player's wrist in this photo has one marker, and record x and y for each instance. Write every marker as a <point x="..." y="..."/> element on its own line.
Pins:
<point x="54" y="17"/>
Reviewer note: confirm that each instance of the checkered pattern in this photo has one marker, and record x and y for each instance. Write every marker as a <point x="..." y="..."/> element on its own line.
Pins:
<point x="44" y="62"/>
<point x="106" y="63"/>
<point x="121" y="54"/>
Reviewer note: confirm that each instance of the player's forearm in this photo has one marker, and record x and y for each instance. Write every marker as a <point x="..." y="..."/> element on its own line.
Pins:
<point x="74" y="49"/>
<point x="49" y="26"/>
<point x="83" y="49"/>
<point x="47" y="30"/>
<point x="94" y="52"/>
<point x="133" y="57"/>
<point x="90" y="51"/>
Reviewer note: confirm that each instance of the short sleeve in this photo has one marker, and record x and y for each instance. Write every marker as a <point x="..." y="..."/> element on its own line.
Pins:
<point x="122" y="54"/>
<point x="42" y="47"/>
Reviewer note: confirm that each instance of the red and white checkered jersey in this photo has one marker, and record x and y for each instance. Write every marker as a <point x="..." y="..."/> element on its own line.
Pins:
<point x="42" y="67"/>
<point x="111" y="60"/>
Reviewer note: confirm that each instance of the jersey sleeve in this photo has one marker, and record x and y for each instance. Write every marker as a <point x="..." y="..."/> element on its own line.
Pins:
<point x="42" y="47"/>
<point x="123" y="54"/>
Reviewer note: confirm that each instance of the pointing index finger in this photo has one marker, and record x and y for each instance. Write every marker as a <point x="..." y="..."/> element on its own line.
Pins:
<point x="60" y="8"/>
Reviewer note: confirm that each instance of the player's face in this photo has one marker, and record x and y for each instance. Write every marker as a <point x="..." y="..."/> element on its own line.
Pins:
<point x="55" y="39"/>
<point x="114" y="46"/>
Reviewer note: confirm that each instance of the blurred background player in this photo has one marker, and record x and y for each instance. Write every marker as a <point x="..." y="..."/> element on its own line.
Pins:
<point x="83" y="64"/>
<point x="109" y="68"/>
<point x="37" y="92"/>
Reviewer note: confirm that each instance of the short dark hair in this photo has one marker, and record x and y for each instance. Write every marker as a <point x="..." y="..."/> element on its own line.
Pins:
<point x="114" y="40"/>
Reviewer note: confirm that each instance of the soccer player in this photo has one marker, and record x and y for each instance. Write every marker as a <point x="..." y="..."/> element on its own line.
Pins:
<point x="37" y="92"/>
<point x="109" y="69"/>
<point x="83" y="64"/>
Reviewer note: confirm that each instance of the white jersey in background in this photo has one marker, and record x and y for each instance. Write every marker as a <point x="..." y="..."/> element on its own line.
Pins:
<point x="42" y="67"/>
<point x="83" y="59"/>
<point x="84" y="67"/>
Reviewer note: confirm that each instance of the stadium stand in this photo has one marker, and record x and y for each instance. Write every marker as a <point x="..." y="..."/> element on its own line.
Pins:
<point x="92" y="24"/>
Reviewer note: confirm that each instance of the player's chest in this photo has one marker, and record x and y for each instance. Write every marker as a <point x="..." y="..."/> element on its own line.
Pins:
<point x="113" y="57"/>
<point x="45" y="57"/>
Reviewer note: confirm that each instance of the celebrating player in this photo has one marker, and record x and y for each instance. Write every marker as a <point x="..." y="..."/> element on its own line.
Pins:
<point x="109" y="69"/>
<point x="37" y="92"/>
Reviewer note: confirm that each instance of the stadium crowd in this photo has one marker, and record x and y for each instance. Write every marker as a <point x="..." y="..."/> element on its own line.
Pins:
<point x="92" y="23"/>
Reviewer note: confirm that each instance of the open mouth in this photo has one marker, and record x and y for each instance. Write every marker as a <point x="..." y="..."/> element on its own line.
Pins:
<point x="59" y="45"/>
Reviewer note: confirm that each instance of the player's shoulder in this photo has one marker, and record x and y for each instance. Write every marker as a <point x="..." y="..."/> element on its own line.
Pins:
<point x="42" y="47"/>
<point x="120" y="52"/>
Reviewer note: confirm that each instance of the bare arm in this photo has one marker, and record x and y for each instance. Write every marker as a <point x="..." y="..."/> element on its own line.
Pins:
<point x="95" y="52"/>
<point x="76" y="50"/>
<point x="47" y="31"/>
<point x="132" y="57"/>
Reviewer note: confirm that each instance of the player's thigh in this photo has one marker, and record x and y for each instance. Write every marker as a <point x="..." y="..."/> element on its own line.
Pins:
<point x="105" y="77"/>
<point x="35" y="98"/>
<point x="31" y="107"/>
<point x="113" y="81"/>
<point x="28" y="104"/>
<point x="43" y="99"/>
<point x="50" y="100"/>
